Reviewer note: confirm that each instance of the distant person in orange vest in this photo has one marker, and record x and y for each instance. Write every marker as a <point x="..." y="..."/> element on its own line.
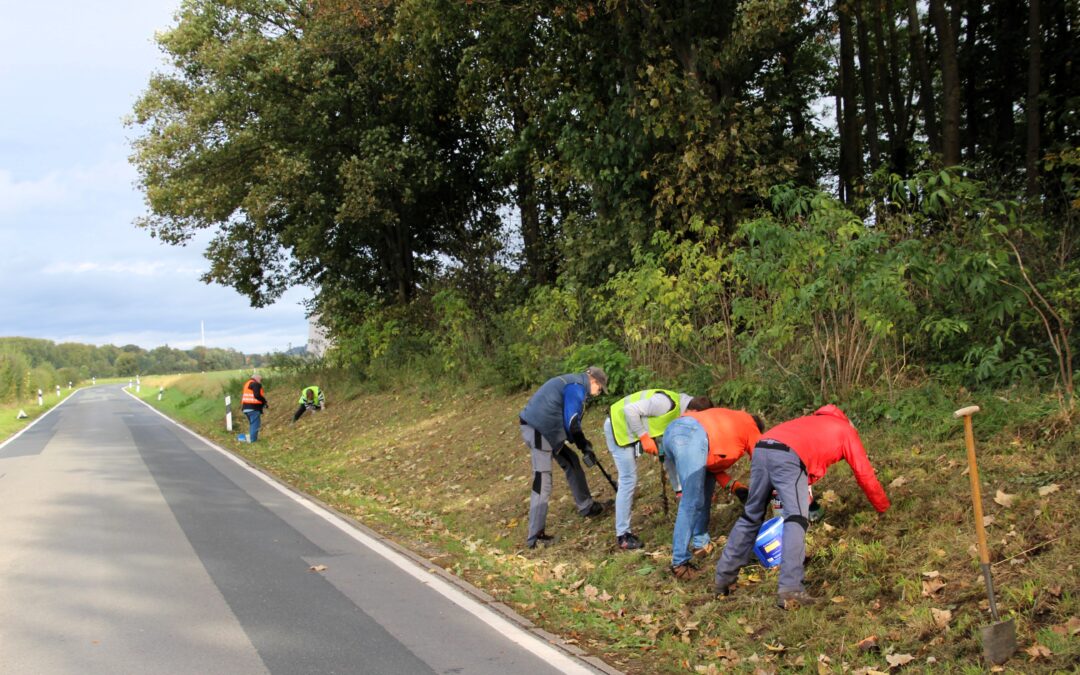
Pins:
<point x="253" y="403"/>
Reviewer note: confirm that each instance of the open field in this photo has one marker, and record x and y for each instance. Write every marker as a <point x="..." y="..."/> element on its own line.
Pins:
<point x="446" y="474"/>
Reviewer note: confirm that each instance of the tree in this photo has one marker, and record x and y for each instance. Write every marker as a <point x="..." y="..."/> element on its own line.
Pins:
<point x="319" y="140"/>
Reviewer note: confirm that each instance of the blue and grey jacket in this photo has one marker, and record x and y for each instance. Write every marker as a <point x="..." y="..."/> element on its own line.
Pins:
<point x="555" y="410"/>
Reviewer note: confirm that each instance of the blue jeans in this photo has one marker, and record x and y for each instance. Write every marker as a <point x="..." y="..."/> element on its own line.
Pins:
<point x="625" y="457"/>
<point x="254" y="422"/>
<point x="686" y="442"/>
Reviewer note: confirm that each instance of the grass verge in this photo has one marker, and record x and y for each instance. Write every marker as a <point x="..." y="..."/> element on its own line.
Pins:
<point x="444" y="472"/>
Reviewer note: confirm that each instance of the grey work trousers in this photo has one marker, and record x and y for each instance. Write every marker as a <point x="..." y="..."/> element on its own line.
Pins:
<point x="783" y="471"/>
<point x="541" y="487"/>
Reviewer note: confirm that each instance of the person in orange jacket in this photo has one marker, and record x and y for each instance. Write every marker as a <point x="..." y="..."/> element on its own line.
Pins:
<point x="704" y="444"/>
<point x="788" y="459"/>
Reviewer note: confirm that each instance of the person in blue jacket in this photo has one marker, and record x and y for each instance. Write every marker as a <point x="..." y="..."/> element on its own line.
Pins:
<point x="551" y="418"/>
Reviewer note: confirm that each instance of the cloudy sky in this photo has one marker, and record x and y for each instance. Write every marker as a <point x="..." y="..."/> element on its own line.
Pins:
<point x="76" y="268"/>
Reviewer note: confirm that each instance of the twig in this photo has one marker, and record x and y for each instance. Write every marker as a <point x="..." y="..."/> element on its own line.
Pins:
<point x="1037" y="546"/>
<point x="663" y="486"/>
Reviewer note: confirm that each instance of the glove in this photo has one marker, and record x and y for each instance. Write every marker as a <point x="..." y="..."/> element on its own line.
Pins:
<point x="740" y="491"/>
<point x="648" y="444"/>
<point x="588" y="456"/>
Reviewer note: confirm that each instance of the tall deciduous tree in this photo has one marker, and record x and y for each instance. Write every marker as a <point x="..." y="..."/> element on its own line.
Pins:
<point x="319" y="139"/>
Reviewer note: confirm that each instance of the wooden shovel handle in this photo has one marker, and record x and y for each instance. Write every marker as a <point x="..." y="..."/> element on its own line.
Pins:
<point x="976" y="493"/>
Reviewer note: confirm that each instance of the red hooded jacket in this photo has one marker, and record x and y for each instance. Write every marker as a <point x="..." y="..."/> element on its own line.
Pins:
<point x="825" y="438"/>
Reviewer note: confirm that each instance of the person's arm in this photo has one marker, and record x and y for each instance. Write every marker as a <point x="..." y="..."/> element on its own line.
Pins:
<point x="257" y="390"/>
<point x="724" y="480"/>
<point x="855" y="454"/>
<point x="637" y="418"/>
<point x="573" y="410"/>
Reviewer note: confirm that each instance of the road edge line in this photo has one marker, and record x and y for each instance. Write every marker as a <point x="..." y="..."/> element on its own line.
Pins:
<point x="497" y="615"/>
<point x="48" y="412"/>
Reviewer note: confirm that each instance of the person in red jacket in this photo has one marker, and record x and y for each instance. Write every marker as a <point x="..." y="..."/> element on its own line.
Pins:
<point x="789" y="458"/>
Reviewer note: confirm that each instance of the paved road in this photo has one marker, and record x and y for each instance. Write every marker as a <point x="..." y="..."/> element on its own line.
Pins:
<point x="129" y="545"/>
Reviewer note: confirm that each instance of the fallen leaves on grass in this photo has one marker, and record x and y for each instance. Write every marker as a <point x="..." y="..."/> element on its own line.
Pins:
<point x="1048" y="489"/>
<point x="898" y="481"/>
<point x="898" y="660"/>
<point x="942" y="617"/>
<point x="868" y="644"/>
<point x="1038" y="651"/>
<point x="931" y="586"/>
<point x="1004" y="499"/>
<point x="1070" y="627"/>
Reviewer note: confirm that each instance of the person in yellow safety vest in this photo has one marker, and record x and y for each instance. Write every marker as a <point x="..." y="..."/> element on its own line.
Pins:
<point x="634" y="424"/>
<point x="311" y="398"/>
<point x="252" y="404"/>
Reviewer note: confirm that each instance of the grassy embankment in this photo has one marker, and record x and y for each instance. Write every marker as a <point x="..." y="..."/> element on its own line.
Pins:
<point x="445" y="473"/>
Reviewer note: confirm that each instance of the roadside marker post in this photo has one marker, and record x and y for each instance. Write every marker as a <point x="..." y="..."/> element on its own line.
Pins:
<point x="228" y="413"/>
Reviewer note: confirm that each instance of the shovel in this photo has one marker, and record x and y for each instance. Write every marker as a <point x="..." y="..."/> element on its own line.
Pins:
<point x="999" y="638"/>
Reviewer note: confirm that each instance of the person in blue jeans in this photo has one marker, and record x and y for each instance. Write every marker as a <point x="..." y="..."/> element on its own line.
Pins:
<point x="252" y="404"/>
<point x="704" y="445"/>
<point x="636" y="424"/>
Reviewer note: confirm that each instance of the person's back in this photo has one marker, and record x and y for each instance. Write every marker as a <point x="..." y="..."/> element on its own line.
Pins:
<point x="824" y="438"/>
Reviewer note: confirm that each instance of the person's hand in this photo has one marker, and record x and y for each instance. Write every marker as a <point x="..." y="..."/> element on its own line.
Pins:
<point x="740" y="491"/>
<point x="648" y="444"/>
<point x="588" y="456"/>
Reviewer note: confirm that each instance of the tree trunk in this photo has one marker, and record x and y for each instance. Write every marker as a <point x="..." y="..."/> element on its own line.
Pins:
<point x="869" y="81"/>
<point x="848" y="112"/>
<point x="883" y="79"/>
<point x="1031" y="107"/>
<point x="950" y="84"/>
<point x="901" y="105"/>
<point x="926" y="80"/>
<point x="971" y="76"/>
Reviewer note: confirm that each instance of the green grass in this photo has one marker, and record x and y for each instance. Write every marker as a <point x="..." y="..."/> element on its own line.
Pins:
<point x="444" y="472"/>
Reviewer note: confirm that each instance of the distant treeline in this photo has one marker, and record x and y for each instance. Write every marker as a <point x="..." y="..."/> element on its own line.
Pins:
<point x="28" y="364"/>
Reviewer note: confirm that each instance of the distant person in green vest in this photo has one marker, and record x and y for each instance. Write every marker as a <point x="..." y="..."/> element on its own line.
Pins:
<point x="311" y="398"/>
<point x="636" y="424"/>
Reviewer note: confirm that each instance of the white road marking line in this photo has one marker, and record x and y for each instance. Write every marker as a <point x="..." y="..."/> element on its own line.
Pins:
<point x="47" y="413"/>
<point x="508" y="629"/>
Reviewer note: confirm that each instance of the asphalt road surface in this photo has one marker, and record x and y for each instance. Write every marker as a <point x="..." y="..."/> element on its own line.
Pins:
<point x="130" y="545"/>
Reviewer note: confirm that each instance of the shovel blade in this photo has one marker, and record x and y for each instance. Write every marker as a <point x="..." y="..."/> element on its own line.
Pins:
<point x="999" y="641"/>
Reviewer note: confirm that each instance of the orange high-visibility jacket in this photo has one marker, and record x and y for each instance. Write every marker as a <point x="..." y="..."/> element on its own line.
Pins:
<point x="731" y="433"/>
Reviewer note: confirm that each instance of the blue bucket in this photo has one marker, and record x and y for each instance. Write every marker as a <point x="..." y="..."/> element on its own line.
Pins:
<point x="768" y="545"/>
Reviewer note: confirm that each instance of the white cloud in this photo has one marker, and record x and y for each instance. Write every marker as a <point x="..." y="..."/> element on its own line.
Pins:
<point x="141" y="269"/>
<point x="21" y="195"/>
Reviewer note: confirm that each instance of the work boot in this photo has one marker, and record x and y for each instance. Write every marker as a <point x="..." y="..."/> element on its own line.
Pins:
<point x="685" y="571"/>
<point x="722" y="591"/>
<point x="543" y="538"/>
<point x="597" y="509"/>
<point x="789" y="600"/>
<point x="629" y="542"/>
<point x="704" y="551"/>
